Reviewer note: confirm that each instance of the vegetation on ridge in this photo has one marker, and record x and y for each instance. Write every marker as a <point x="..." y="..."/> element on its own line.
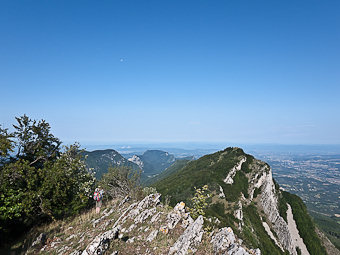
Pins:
<point x="38" y="180"/>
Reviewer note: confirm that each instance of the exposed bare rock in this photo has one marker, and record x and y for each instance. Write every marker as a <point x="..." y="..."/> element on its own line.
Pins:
<point x="101" y="243"/>
<point x="155" y="218"/>
<point x="173" y="219"/>
<point x="75" y="253"/>
<point x="144" y="215"/>
<point x="270" y="206"/>
<point x="232" y="172"/>
<point x="270" y="233"/>
<point x="41" y="240"/>
<point x="297" y="240"/>
<point x="152" y="235"/>
<point x="149" y="201"/>
<point x="191" y="237"/>
<point x="224" y="242"/>
<point x="125" y="199"/>
<point x="221" y="195"/>
<point x="131" y="228"/>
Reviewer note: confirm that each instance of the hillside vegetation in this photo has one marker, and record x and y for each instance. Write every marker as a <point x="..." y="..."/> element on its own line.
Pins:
<point x="212" y="170"/>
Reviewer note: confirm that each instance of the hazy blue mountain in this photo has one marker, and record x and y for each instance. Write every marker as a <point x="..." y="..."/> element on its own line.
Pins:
<point x="153" y="162"/>
<point x="101" y="160"/>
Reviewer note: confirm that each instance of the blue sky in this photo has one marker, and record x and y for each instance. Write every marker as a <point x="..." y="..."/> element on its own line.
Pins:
<point x="174" y="71"/>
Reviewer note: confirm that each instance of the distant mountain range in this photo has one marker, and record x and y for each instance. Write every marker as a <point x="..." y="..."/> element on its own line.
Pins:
<point x="151" y="162"/>
<point x="100" y="160"/>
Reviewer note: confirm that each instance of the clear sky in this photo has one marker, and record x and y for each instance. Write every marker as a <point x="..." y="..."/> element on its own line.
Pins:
<point x="172" y="71"/>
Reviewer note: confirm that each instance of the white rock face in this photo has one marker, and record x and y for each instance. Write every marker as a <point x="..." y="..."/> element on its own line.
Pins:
<point x="239" y="213"/>
<point x="221" y="195"/>
<point x="270" y="233"/>
<point x="152" y="235"/>
<point x="224" y="242"/>
<point x="297" y="240"/>
<point x="101" y="243"/>
<point x="137" y="211"/>
<point x="189" y="239"/>
<point x="232" y="172"/>
<point x="137" y="160"/>
<point x="270" y="206"/>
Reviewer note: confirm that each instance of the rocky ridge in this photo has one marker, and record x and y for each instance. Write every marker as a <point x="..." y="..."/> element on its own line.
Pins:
<point x="140" y="227"/>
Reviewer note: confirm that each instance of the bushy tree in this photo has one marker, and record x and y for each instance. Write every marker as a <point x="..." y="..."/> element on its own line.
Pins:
<point x="6" y="145"/>
<point x="35" y="142"/>
<point x="41" y="182"/>
<point x="120" y="181"/>
<point x="66" y="185"/>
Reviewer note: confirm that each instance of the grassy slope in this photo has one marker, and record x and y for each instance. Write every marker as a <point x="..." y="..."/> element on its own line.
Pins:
<point x="210" y="169"/>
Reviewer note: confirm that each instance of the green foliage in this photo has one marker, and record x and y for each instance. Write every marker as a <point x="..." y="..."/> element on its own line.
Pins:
<point x="208" y="170"/>
<point x="149" y="190"/>
<point x="304" y="224"/>
<point x="155" y="161"/>
<point x="66" y="185"/>
<point x="121" y="181"/>
<point x="6" y="144"/>
<point x="246" y="166"/>
<point x="199" y="202"/>
<point x="35" y="142"/>
<point x="240" y="184"/>
<point x="40" y="182"/>
<point x="282" y="202"/>
<point x="256" y="192"/>
<point x="298" y="251"/>
<point x="19" y="183"/>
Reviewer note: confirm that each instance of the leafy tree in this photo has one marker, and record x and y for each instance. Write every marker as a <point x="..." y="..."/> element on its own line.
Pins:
<point x="18" y="186"/>
<point x="35" y="142"/>
<point x="66" y="185"/>
<point x="41" y="182"/>
<point x="6" y="145"/>
<point x="121" y="181"/>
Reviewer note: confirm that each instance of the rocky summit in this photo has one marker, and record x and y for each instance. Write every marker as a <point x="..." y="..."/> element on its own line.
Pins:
<point x="144" y="227"/>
